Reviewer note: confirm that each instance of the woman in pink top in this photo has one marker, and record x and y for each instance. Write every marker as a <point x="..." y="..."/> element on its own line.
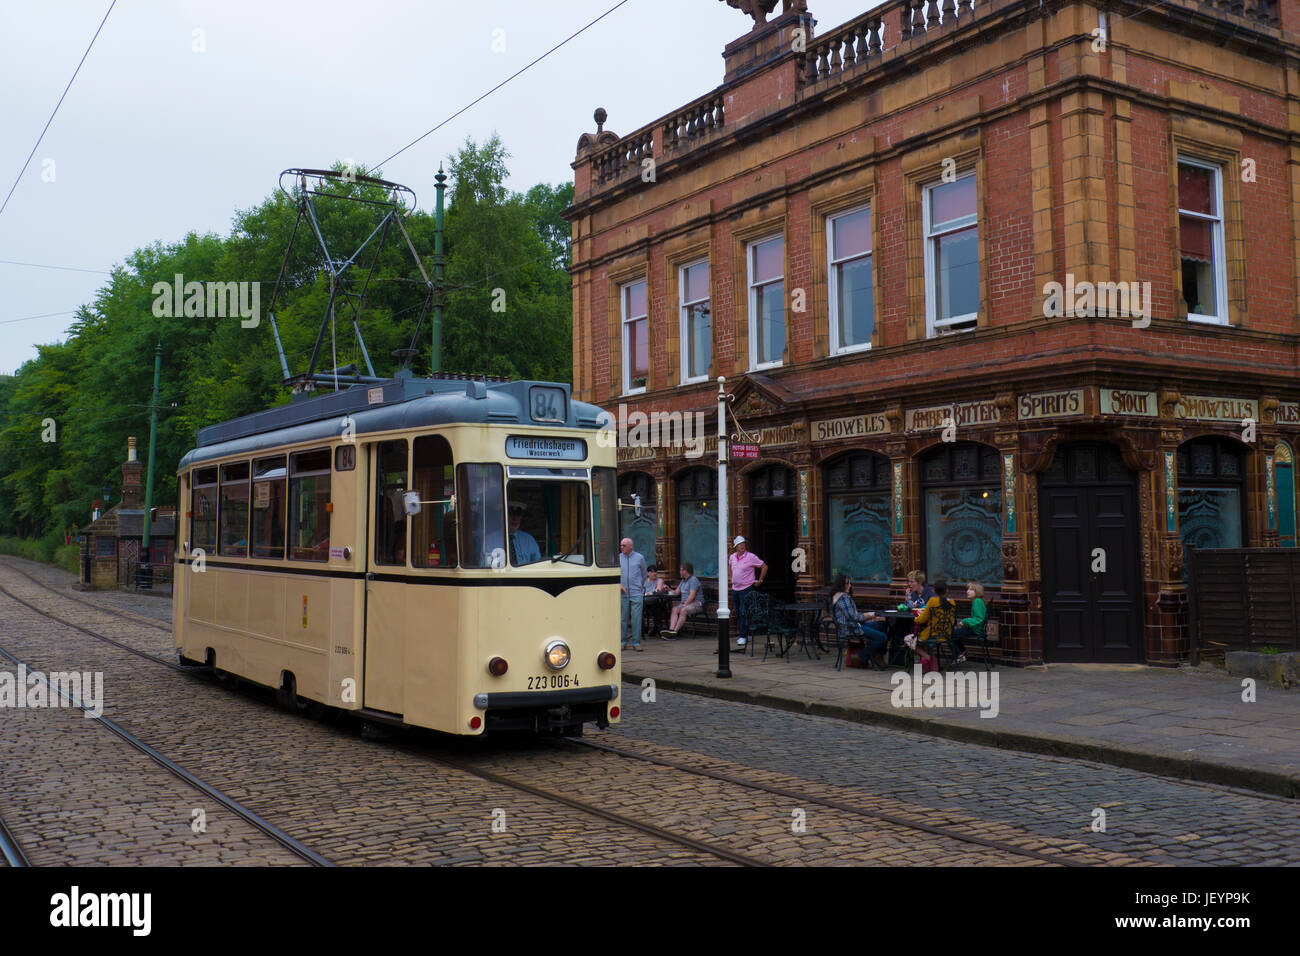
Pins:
<point x="744" y="564"/>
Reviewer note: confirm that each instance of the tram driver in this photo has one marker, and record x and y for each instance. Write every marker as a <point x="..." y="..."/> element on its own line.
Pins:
<point x="523" y="546"/>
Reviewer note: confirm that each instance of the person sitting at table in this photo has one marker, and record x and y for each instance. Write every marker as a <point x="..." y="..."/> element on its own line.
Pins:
<point x="918" y="592"/>
<point x="690" y="592"/>
<point x="936" y="621"/>
<point x="852" y="622"/>
<point x="654" y="584"/>
<point x="972" y="626"/>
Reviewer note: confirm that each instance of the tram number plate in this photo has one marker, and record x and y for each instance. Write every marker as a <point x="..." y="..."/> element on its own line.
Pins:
<point x="552" y="681"/>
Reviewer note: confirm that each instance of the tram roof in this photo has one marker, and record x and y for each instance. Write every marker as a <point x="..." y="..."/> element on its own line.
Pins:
<point x="398" y="403"/>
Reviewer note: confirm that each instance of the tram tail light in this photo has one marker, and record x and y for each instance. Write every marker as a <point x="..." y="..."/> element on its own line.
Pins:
<point x="475" y="723"/>
<point x="606" y="661"/>
<point x="614" y="711"/>
<point x="498" y="666"/>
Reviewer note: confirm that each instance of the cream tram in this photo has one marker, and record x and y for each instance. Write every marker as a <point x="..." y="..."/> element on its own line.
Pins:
<point x="441" y="553"/>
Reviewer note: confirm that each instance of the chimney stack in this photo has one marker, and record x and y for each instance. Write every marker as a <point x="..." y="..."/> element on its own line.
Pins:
<point x="132" y="486"/>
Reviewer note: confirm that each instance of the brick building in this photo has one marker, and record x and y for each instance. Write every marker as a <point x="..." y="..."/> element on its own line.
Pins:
<point x="112" y="544"/>
<point x="861" y="228"/>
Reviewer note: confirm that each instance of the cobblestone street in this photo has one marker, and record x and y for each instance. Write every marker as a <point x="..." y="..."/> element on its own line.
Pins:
<point x="747" y="783"/>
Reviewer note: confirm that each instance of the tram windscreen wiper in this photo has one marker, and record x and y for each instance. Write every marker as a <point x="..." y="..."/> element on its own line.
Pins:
<point x="568" y="554"/>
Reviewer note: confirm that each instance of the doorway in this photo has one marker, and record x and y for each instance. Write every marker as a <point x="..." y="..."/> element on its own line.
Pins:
<point x="1092" y="609"/>
<point x="772" y="533"/>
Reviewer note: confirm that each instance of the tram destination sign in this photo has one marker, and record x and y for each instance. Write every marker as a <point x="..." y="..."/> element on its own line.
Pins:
<point x="549" y="449"/>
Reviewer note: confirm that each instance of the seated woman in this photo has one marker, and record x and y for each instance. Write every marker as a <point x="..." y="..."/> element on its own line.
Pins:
<point x="852" y="622"/>
<point x="654" y="583"/>
<point x="972" y="626"/>
<point x="692" y="600"/>
<point x="936" y="621"/>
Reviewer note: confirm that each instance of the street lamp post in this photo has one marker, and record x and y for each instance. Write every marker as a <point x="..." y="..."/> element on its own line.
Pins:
<point x="724" y="613"/>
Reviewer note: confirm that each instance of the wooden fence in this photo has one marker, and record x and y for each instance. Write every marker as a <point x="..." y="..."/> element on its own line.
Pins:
<point x="1243" y="599"/>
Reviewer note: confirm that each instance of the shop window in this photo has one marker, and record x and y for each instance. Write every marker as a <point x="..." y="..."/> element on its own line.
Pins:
<point x="309" y="505"/>
<point x="852" y="306"/>
<point x="636" y="493"/>
<point x="636" y="337"/>
<point x="203" y="510"/>
<point x="766" y="271"/>
<point x="1284" y="468"/>
<point x="268" y="507"/>
<point x="696" y="330"/>
<point x="697" y="521"/>
<point x="858" y="517"/>
<point x="962" y="489"/>
<point x="952" y="287"/>
<point x="1200" y="241"/>
<point x="1211" y="503"/>
<point x="433" y="530"/>
<point x="234" y="510"/>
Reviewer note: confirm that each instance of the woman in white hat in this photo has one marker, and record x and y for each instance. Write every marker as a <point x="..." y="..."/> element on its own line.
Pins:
<point x="744" y="564"/>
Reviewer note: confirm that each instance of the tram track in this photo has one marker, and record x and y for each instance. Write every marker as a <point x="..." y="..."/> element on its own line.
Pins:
<point x="296" y="847"/>
<point x="12" y="851"/>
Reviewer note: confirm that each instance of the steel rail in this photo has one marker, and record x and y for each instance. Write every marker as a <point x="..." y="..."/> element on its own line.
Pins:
<point x="10" y="848"/>
<point x="841" y="805"/>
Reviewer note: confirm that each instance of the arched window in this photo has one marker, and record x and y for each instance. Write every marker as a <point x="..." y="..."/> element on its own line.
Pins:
<point x="858" y="517"/>
<point x="638" y="489"/>
<point x="697" y="520"/>
<point x="1211" y="502"/>
<point x="962" y="487"/>
<point x="1284" y="466"/>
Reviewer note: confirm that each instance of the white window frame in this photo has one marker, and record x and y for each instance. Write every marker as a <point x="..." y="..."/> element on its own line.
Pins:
<point x="627" y="322"/>
<point x="933" y="325"/>
<point x="683" y="312"/>
<point x="754" y="364"/>
<point x="1220" y="264"/>
<point x="832" y="280"/>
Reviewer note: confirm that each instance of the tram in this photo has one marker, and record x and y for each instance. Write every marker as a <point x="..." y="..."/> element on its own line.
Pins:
<point x="436" y="552"/>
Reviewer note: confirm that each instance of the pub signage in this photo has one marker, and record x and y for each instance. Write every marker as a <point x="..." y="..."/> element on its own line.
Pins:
<point x="1119" y="401"/>
<point x="1063" y="404"/>
<point x="962" y="414"/>
<point x="1209" y="408"/>
<point x="1288" y="413"/>
<point x="777" y="435"/>
<point x="743" y="451"/>
<point x="831" y="429"/>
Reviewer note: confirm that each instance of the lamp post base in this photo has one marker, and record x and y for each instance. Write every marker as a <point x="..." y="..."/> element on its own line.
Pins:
<point x="724" y="647"/>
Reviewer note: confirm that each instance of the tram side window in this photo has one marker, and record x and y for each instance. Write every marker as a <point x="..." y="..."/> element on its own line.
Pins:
<point x="234" y="510"/>
<point x="309" y="499"/>
<point x="604" y="491"/>
<point x="268" y="508"/>
<point x="433" y="530"/>
<point x="390" y="511"/>
<point x="480" y="500"/>
<point x="203" y="510"/>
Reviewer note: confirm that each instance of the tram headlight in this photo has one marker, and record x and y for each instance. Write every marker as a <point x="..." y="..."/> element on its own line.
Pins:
<point x="557" y="655"/>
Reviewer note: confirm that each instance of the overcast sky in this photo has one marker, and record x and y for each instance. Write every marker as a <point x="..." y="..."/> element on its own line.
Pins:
<point x="156" y="139"/>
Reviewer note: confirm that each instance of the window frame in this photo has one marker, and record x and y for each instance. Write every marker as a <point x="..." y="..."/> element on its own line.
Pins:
<point x="752" y="291"/>
<point x="292" y="474"/>
<point x="625" y="323"/>
<point x="1218" y="240"/>
<point x="683" y="307"/>
<point x="833" y="273"/>
<point x="929" y="240"/>
<point x="222" y="483"/>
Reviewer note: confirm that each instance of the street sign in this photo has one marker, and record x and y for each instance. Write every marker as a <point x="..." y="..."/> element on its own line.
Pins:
<point x="744" y="451"/>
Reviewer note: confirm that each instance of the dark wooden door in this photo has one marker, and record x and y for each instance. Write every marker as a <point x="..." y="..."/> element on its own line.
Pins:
<point x="772" y="539"/>
<point x="1088" y="513"/>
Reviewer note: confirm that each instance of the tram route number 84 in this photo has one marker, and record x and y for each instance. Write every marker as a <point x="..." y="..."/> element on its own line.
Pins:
<point x="547" y="403"/>
<point x="556" y="681"/>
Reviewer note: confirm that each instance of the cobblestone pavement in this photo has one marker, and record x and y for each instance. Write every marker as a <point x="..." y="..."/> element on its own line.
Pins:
<point x="357" y="801"/>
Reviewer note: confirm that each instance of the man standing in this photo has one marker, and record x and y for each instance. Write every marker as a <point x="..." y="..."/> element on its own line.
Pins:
<point x="523" y="546"/>
<point x="744" y="564"/>
<point x="632" y="584"/>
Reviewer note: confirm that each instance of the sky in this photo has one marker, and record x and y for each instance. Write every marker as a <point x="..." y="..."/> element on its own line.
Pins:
<point x="185" y="112"/>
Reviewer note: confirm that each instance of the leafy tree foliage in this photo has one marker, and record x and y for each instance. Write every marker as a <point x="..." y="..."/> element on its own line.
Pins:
<point x="506" y="312"/>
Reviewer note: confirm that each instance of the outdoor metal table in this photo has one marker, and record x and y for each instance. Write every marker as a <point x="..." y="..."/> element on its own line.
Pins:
<point x="806" y="614"/>
<point x="656" y="609"/>
<point x="898" y="624"/>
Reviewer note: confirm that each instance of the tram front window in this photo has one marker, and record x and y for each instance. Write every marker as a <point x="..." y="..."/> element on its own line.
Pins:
<point x="548" y="519"/>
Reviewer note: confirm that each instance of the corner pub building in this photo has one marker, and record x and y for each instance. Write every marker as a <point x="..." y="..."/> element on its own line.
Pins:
<point x="860" y="229"/>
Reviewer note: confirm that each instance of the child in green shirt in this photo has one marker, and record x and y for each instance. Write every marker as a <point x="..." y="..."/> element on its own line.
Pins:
<point x="972" y="626"/>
